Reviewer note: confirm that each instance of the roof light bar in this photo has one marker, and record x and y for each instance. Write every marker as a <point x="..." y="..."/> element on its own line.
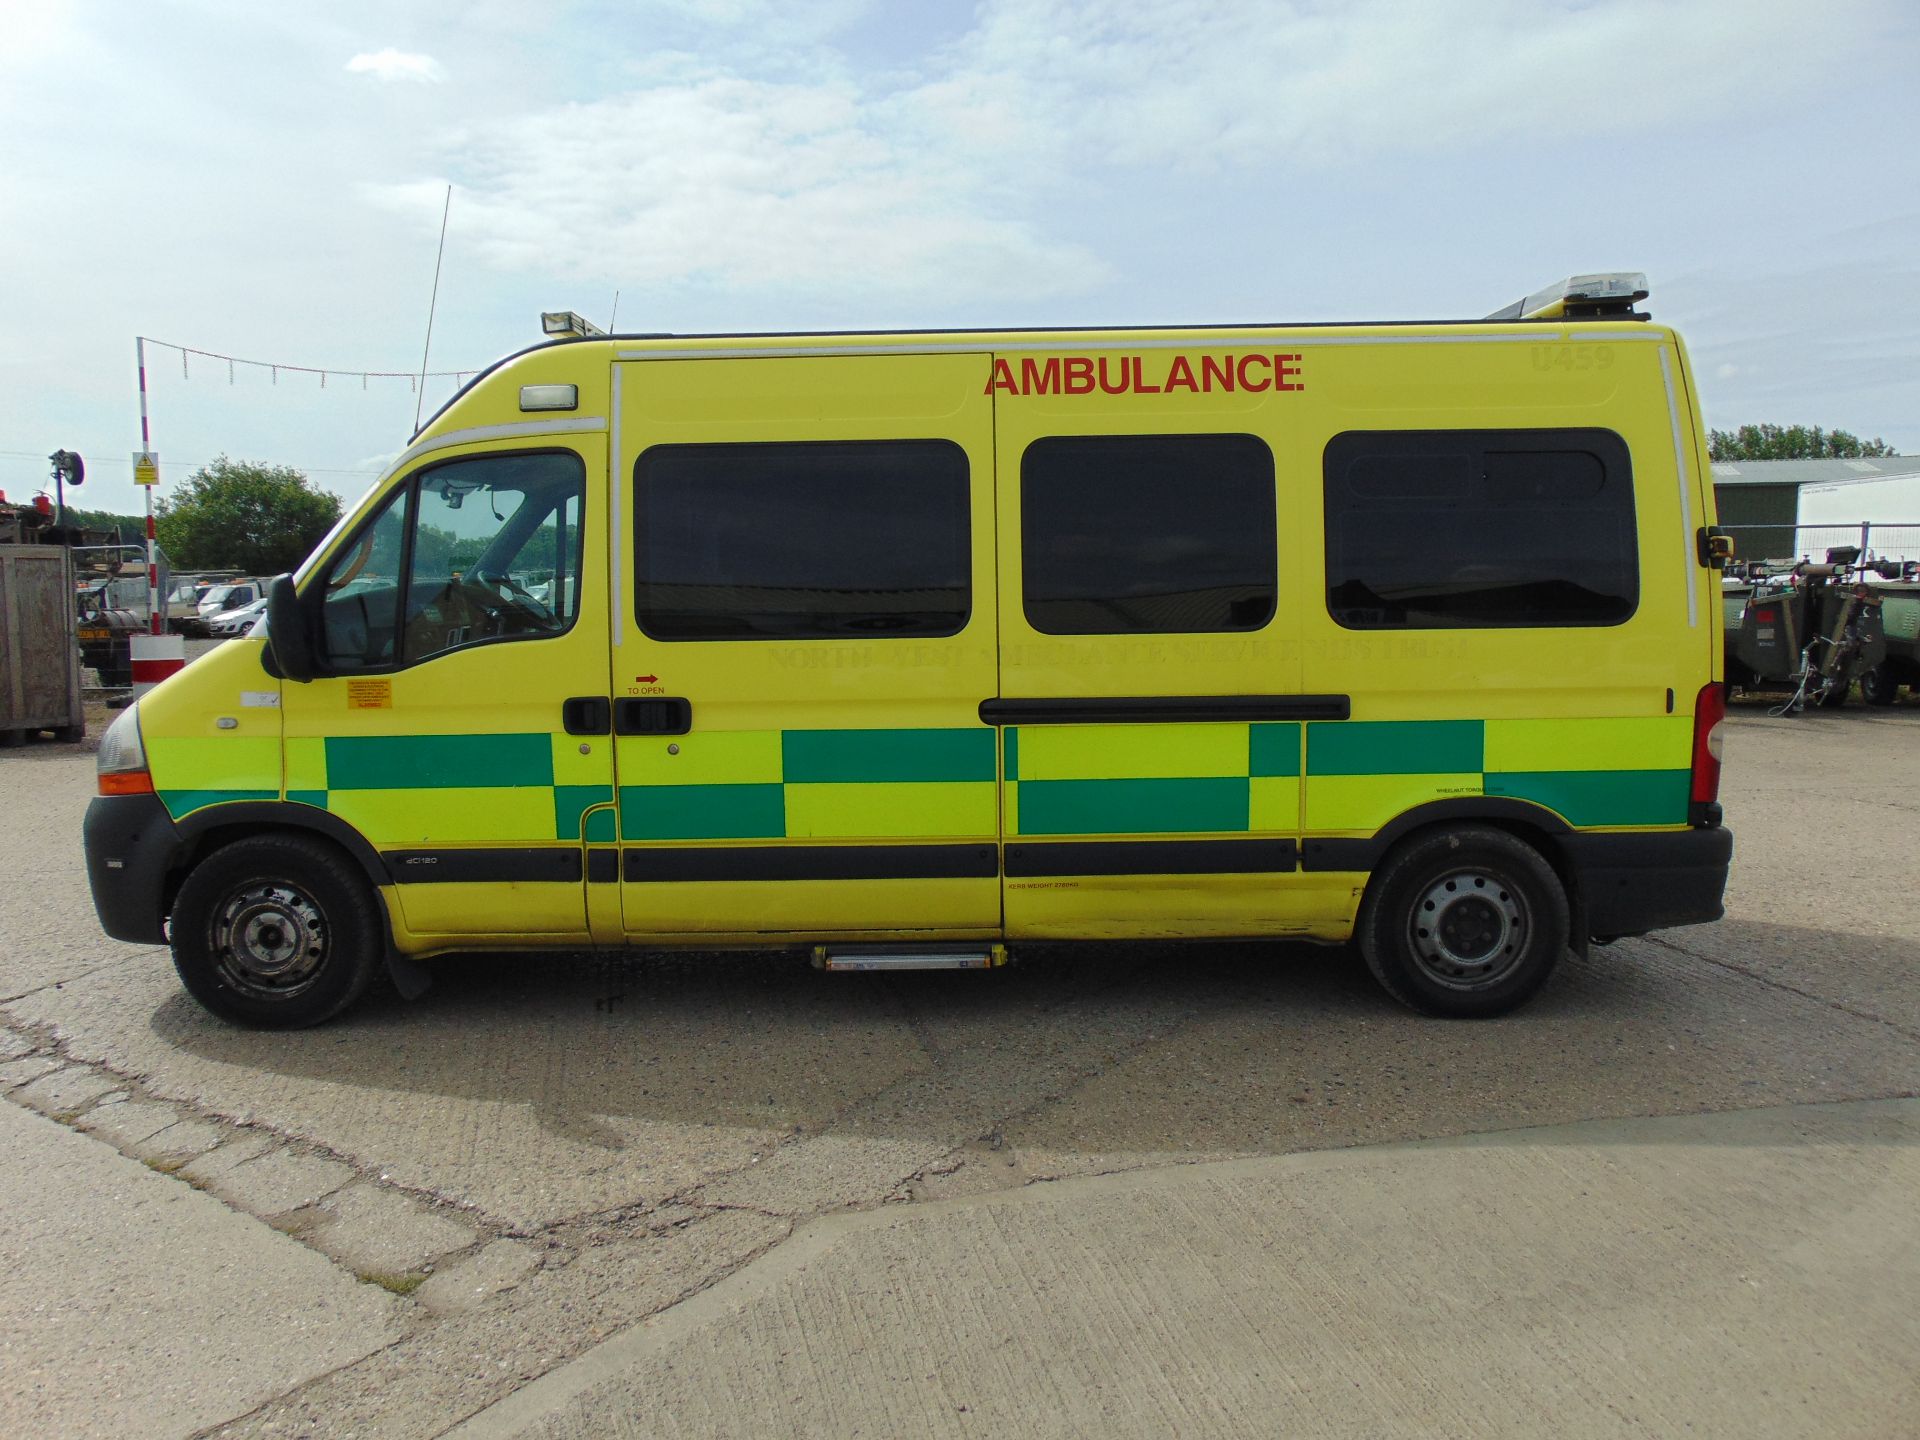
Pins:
<point x="565" y="325"/>
<point x="1613" y="293"/>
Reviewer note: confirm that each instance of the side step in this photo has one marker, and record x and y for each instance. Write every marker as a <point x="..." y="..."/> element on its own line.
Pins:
<point x="909" y="957"/>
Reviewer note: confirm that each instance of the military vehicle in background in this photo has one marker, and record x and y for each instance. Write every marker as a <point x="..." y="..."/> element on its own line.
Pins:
<point x="115" y="605"/>
<point x="1809" y="627"/>
<point x="1900" y="621"/>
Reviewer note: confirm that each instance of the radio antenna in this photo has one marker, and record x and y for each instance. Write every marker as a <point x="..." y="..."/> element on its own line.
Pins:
<point x="616" y="312"/>
<point x="420" y="390"/>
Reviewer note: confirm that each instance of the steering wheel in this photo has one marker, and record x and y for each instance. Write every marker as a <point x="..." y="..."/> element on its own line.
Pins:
<point x="505" y="587"/>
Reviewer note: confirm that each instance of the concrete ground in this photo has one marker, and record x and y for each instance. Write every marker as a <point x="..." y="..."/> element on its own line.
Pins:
<point x="541" y="1154"/>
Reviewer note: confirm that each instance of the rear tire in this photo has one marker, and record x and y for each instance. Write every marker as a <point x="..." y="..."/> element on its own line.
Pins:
<point x="276" y="932"/>
<point x="1878" y="687"/>
<point x="1465" y="922"/>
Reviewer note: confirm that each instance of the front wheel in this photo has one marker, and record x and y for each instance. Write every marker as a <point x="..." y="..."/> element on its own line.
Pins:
<point x="1465" y="922"/>
<point x="1878" y="687"/>
<point x="276" y="932"/>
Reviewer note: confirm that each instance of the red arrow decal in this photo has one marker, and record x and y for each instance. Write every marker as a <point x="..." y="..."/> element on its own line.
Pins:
<point x="646" y="679"/>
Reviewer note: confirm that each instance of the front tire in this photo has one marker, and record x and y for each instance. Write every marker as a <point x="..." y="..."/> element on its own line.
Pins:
<point x="1878" y="687"/>
<point x="1466" y="922"/>
<point x="276" y="932"/>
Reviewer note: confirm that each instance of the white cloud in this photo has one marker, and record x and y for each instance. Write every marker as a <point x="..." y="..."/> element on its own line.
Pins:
<point x="739" y="183"/>
<point x="391" y="64"/>
<point x="1195" y="82"/>
<point x="720" y="167"/>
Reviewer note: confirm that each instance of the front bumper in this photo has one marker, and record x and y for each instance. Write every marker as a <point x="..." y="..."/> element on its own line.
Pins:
<point x="1630" y="884"/>
<point x="132" y="846"/>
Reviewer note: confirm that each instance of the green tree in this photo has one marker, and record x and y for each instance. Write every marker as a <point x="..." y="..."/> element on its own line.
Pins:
<point x="1791" y="442"/>
<point x="260" y="519"/>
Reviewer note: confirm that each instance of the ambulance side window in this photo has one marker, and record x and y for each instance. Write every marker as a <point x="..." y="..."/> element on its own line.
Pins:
<point x="1480" y="529"/>
<point x="794" y="541"/>
<point x="1148" y="534"/>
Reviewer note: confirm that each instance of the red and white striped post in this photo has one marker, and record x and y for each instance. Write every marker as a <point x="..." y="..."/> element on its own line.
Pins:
<point x="155" y="655"/>
<point x="153" y="541"/>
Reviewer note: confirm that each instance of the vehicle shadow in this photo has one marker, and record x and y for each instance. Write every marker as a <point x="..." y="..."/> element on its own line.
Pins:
<point x="1174" y="1050"/>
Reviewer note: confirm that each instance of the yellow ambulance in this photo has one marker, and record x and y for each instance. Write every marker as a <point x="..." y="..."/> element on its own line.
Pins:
<point x="906" y="648"/>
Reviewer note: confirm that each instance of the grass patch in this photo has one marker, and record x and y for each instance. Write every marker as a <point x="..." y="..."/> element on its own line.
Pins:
<point x="396" y="1284"/>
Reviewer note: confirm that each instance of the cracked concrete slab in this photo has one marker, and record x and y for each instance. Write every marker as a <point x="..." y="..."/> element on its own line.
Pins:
<point x="279" y="1181"/>
<point x="377" y="1232"/>
<point x="495" y="1269"/>
<point x="237" y="1149"/>
<point x="127" y="1122"/>
<point x="137" y="1306"/>
<point x="1730" y="1275"/>
<point x="66" y="1092"/>
<point x="20" y="1072"/>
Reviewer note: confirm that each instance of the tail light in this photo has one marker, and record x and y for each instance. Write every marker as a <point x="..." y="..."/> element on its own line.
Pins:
<point x="1709" y="712"/>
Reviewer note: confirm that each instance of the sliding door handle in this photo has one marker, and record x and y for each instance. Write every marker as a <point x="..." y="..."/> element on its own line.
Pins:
<point x="665" y="715"/>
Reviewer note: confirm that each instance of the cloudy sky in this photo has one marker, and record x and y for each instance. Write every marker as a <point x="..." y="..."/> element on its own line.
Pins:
<point x="266" y="181"/>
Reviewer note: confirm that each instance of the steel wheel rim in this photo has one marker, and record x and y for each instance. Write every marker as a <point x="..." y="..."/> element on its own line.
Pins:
<point x="1469" y="929"/>
<point x="269" y="939"/>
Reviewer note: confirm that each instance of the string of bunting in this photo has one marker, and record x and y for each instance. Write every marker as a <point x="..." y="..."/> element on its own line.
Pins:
<point x="232" y="362"/>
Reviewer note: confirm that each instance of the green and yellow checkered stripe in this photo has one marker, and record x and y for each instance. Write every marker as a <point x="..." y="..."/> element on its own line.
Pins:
<point x="811" y="784"/>
<point x="456" y="789"/>
<point x="1336" y="777"/>
<point x="1152" y="779"/>
<point x="1593" y="773"/>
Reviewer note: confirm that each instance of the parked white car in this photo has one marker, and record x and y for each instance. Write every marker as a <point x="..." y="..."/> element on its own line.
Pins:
<point x="224" y="599"/>
<point x="236" y="622"/>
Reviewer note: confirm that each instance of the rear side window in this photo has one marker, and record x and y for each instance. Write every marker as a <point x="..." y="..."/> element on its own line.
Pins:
<point x="1133" y="534"/>
<point x="842" y="539"/>
<point x="1480" y="529"/>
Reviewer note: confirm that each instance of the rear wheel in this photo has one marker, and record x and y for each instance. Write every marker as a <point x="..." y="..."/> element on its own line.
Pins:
<point x="1878" y="687"/>
<point x="1463" y="922"/>
<point x="276" y="932"/>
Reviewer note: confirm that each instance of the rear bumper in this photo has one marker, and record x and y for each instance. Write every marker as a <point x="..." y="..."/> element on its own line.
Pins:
<point x="132" y="844"/>
<point x="1630" y="884"/>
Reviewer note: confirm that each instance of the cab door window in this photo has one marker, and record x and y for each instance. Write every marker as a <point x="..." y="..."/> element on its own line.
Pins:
<point x="469" y="552"/>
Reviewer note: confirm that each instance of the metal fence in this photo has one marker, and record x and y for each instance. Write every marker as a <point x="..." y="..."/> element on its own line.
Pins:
<point x="1877" y="540"/>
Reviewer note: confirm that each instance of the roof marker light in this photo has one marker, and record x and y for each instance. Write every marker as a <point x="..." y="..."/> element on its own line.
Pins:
<point x="549" y="397"/>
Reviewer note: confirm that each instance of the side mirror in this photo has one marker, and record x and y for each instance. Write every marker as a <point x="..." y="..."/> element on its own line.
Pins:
<point x="289" y="641"/>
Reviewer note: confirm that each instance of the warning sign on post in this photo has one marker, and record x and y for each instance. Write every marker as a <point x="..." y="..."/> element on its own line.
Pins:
<point x="146" y="467"/>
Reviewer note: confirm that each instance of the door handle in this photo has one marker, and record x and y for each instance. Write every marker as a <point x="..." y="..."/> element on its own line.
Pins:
<point x="663" y="716"/>
<point x="586" y="714"/>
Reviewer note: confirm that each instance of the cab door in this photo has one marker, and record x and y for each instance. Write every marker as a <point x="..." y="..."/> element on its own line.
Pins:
<point x="461" y="722"/>
<point x="804" y="634"/>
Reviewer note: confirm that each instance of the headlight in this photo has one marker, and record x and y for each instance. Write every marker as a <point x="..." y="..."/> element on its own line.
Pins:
<point x="123" y="757"/>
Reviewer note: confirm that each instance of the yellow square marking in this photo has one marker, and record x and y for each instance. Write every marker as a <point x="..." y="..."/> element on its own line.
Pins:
<point x="962" y="809"/>
<point x="505" y="814"/>
<point x="570" y="767"/>
<point x="1655" y="742"/>
<point x="1274" y="802"/>
<point x="306" y="764"/>
<point x="1132" y="752"/>
<point x="715" y="757"/>
<point x="215" y="762"/>
<point x="1366" y="802"/>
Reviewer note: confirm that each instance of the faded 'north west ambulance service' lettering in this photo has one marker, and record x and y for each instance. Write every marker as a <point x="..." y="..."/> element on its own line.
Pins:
<point x="1127" y="375"/>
